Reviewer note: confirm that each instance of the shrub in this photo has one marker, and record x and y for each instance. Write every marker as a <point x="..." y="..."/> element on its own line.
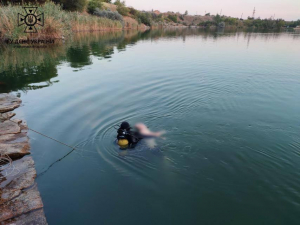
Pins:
<point x="109" y="14"/>
<point x="133" y="11"/>
<point x="158" y="18"/>
<point x="218" y="19"/>
<point x="221" y="24"/>
<point x="118" y="2"/>
<point x="93" y="5"/>
<point x="122" y="10"/>
<point x="173" y="18"/>
<point x="294" y="23"/>
<point x="167" y="19"/>
<point x="74" y="5"/>
<point x="144" y="18"/>
<point x="206" y="23"/>
<point x="231" y="21"/>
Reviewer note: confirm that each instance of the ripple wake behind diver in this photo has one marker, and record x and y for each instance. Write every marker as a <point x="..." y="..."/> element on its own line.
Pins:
<point x="126" y="138"/>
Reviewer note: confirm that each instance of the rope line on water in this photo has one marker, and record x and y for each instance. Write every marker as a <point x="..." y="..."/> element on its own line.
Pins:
<point x="72" y="148"/>
<point x="52" y="138"/>
<point x="62" y="143"/>
<point x="46" y="136"/>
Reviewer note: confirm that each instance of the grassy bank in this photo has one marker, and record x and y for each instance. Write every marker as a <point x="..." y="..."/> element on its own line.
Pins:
<point x="58" y="22"/>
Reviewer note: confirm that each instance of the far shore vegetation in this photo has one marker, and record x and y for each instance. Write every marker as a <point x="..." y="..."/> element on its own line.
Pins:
<point x="64" y="17"/>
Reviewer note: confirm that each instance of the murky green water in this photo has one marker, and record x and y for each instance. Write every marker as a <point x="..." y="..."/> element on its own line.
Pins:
<point x="228" y="101"/>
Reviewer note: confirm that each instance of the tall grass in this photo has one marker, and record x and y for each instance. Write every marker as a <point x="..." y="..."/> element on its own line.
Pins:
<point x="58" y="22"/>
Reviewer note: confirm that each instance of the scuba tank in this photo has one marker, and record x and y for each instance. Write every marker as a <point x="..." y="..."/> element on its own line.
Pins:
<point x="124" y="135"/>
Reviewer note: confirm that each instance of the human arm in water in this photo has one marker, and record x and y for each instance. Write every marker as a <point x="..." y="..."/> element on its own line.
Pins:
<point x="144" y="131"/>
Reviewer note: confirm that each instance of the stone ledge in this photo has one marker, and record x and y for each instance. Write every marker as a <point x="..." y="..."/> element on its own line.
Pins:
<point x="22" y="178"/>
<point x="20" y="201"/>
<point x="9" y="127"/>
<point x="6" y="116"/>
<point x="13" y="138"/>
<point x="36" y="217"/>
<point x="15" y="150"/>
<point x="9" y="102"/>
<point x="27" y="201"/>
<point x="19" y="193"/>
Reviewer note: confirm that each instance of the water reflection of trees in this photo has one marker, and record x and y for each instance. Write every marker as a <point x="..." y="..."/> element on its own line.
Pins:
<point x="23" y="67"/>
<point x="30" y="68"/>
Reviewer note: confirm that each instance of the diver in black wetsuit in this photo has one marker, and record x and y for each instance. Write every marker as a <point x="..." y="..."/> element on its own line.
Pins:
<point x="129" y="138"/>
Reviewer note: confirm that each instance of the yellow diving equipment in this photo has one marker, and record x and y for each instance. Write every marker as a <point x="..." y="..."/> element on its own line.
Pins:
<point x="123" y="143"/>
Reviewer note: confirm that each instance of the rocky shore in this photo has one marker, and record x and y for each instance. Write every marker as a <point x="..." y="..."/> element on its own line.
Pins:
<point x="20" y="201"/>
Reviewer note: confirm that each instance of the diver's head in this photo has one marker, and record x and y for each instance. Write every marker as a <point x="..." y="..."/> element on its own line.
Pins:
<point x="125" y="125"/>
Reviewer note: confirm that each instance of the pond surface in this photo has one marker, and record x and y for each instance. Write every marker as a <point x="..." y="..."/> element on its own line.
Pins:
<point x="229" y="102"/>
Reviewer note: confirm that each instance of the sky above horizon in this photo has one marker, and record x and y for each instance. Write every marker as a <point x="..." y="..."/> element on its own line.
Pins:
<point x="285" y="9"/>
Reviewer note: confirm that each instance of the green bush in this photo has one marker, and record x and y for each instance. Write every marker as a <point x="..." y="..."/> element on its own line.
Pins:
<point x="109" y="14"/>
<point x="167" y="19"/>
<point x="93" y="5"/>
<point x="158" y="18"/>
<point x="123" y="10"/>
<point x="173" y="18"/>
<point x="294" y="23"/>
<point x="207" y="23"/>
<point x="133" y="11"/>
<point x="218" y="19"/>
<point x="231" y="21"/>
<point x="73" y="5"/>
<point x="144" y="18"/>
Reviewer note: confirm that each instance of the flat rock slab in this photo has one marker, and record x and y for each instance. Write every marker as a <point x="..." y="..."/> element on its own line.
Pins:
<point x="20" y="175"/>
<point x="17" y="121"/>
<point x="22" y="178"/>
<point x="23" y="126"/>
<point x="20" y="201"/>
<point x="14" y="138"/>
<point x="32" y="218"/>
<point x="6" y="116"/>
<point x="9" y="102"/>
<point x="27" y="201"/>
<point x="14" y="145"/>
<point x="15" y="150"/>
<point x="19" y="194"/>
<point x="9" y="127"/>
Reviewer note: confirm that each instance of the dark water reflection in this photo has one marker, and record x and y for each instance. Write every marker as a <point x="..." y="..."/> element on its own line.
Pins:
<point x="23" y="67"/>
<point x="228" y="100"/>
